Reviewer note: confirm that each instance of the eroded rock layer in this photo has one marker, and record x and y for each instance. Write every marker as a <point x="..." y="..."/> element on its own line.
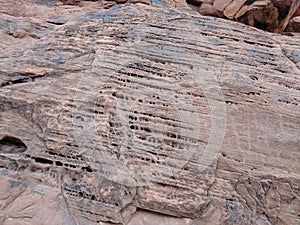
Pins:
<point x="108" y="112"/>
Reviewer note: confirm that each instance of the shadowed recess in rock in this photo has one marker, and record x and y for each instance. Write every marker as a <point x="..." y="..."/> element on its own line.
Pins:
<point x="12" y="145"/>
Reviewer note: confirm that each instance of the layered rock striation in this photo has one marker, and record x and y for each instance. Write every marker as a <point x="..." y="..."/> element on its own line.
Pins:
<point x="135" y="113"/>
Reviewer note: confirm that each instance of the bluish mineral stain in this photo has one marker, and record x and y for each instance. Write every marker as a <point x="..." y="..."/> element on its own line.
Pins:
<point x="107" y="14"/>
<point x="295" y="53"/>
<point x="160" y="2"/>
<point x="46" y="2"/>
<point x="216" y="41"/>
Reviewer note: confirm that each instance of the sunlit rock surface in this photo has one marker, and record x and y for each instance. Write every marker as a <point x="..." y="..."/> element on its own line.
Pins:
<point x="134" y="113"/>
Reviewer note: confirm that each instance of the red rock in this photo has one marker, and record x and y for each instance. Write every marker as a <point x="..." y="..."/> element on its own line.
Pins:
<point x="271" y="15"/>
<point x="142" y="113"/>
<point x="294" y="25"/>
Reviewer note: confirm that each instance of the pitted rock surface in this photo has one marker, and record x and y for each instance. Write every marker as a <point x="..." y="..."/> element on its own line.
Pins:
<point x="141" y="113"/>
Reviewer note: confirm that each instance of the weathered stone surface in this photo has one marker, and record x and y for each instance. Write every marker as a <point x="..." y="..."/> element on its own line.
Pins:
<point x="106" y="113"/>
<point x="271" y="15"/>
<point x="294" y="24"/>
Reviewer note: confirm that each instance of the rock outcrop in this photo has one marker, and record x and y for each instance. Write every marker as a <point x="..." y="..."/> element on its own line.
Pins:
<point x="271" y="15"/>
<point x="135" y="113"/>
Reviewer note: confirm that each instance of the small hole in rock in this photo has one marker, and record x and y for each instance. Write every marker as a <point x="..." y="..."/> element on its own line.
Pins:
<point x="43" y="160"/>
<point x="87" y="169"/>
<point x="12" y="145"/>
<point x="58" y="163"/>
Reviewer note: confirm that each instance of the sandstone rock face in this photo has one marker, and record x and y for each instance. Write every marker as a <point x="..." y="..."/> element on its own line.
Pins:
<point x="294" y="24"/>
<point x="145" y="114"/>
<point x="271" y="15"/>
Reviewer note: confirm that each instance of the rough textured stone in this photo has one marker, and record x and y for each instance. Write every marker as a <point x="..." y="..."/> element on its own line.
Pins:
<point x="271" y="15"/>
<point x="294" y="24"/>
<point x="115" y="115"/>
